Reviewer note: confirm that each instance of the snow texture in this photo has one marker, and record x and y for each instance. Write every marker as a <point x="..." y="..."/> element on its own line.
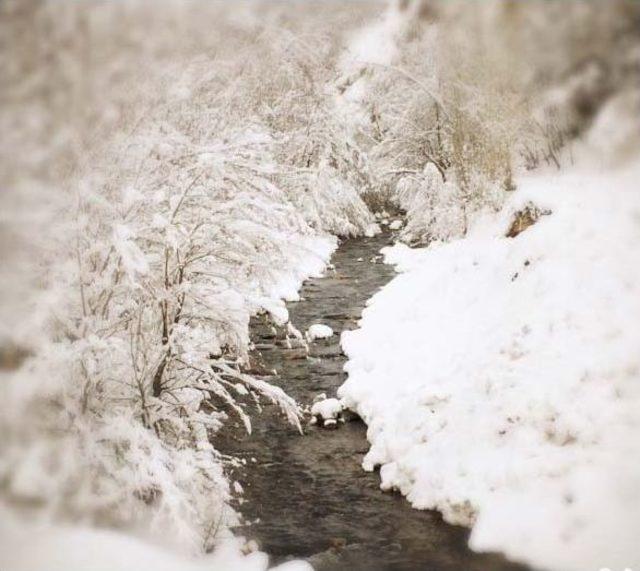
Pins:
<point x="327" y="409"/>
<point x="192" y="215"/>
<point x="319" y="331"/>
<point x="499" y="377"/>
<point x="82" y="549"/>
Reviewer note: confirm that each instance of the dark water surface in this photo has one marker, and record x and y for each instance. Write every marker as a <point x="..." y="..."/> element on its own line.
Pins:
<point x="308" y="496"/>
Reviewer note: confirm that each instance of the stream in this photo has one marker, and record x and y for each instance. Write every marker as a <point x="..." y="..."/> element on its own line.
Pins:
<point x="307" y="496"/>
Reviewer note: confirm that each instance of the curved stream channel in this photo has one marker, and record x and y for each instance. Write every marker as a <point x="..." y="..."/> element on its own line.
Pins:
<point x="308" y="496"/>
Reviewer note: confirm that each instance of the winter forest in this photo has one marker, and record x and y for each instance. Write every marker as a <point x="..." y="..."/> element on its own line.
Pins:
<point x="304" y="284"/>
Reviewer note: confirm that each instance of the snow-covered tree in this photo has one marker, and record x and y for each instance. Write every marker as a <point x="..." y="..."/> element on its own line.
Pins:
<point x="174" y="190"/>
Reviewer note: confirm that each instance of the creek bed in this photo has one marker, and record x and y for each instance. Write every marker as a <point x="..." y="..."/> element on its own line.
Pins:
<point x="307" y="496"/>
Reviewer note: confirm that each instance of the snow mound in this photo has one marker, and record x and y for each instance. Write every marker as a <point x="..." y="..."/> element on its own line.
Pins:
<point x="372" y="230"/>
<point x="83" y="549"/>
<point x="319" y="331"/>
<point x="327" y="409"/>
<point x="395" y="225"/>
<point x="500" y="377"/>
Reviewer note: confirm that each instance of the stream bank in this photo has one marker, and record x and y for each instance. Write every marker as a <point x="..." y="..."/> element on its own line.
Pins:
<point x="307" y="496"/>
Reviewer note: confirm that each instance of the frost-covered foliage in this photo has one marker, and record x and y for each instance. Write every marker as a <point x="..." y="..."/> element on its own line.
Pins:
<point x="477" y="91"/>
<point x="323" y="170"/>
<point x="433" y="206"/>
<point x="173" y="179"/>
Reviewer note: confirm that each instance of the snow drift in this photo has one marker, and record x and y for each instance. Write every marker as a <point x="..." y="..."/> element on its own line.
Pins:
<point x="67" y="548"/>
<point x="500" y="376"/>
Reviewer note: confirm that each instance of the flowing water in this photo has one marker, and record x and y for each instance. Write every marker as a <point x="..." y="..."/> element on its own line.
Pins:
<point x="307" y="496"/>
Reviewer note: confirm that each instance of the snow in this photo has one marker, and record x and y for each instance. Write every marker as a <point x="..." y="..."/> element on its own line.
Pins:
<point x="82" y="549"/>
<point x="319" y="331"/>
<point x="499" y="377"/>
<point x="327" y="409"/>
<point x="309" y="260"/>
<point x="395" y="225"/>
<point x="372" y="230"/>
<point x="296" y="565"/>
<point x="276" y="309"/>
<point x="133" y="259"/>
<point x="374" y="43"/>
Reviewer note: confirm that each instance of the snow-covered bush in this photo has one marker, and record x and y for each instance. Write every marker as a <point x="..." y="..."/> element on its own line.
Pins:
<point x="439" y="106"/>
<point x="147" y="337"/>
<point x="434" y="208"/>
<point x="469" y="89"/>
<point x="323" y="170"/>
<point x="180" y="206"/>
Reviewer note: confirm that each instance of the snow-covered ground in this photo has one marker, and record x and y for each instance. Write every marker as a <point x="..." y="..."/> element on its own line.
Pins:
<point x="500" y="377"/>
<point x="80" y="549"/>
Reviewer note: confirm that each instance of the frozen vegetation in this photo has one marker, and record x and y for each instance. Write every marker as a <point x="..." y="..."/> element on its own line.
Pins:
<point x="498" y="374"/>
<point x="169" y="172"/>
<point x="164" y="192"/>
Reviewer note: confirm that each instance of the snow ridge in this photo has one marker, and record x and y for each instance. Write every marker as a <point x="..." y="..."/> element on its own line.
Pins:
<point x="499" y="376"/>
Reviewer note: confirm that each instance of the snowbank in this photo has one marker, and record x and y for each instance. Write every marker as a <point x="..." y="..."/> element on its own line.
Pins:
<point x="81" y="549"/>
<point x="500" y="377"/>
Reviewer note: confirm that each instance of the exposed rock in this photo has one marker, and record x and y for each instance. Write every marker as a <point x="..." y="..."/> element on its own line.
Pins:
<point x="525" y="218"/>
